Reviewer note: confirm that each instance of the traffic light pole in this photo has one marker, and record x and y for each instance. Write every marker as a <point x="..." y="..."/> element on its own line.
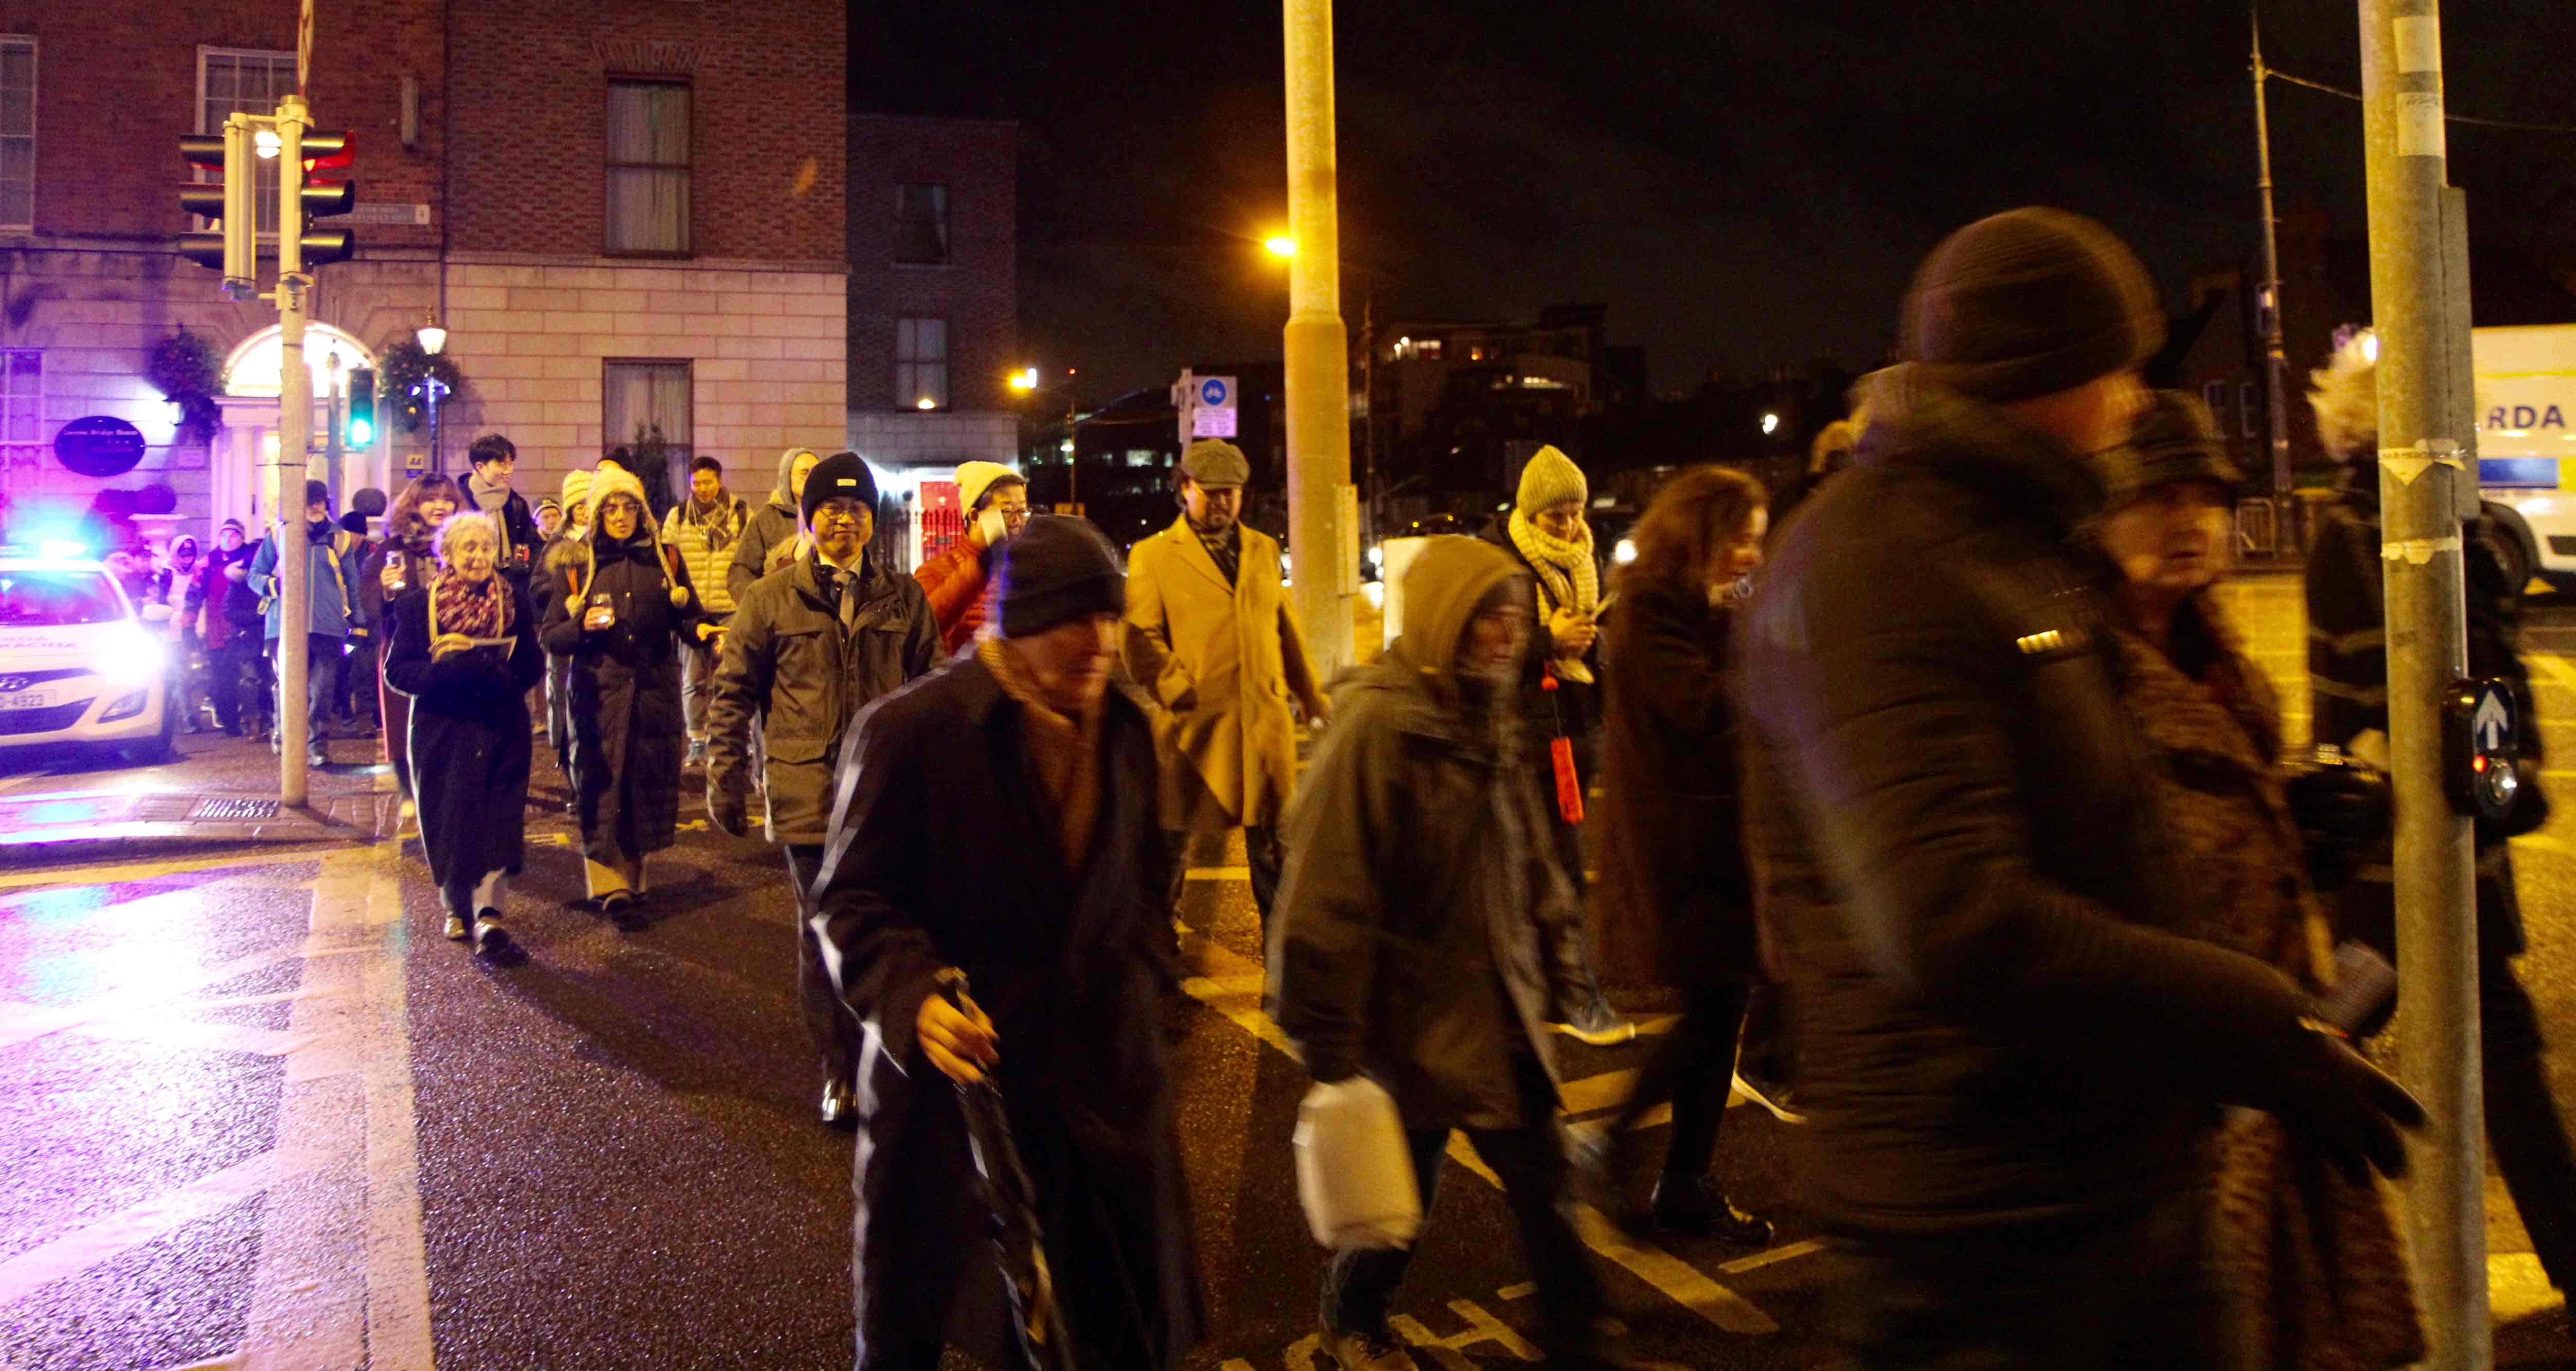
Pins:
<point x="293" y="465"/>
<point x="1320" y="503"/>
<point x="2423" y="464"/>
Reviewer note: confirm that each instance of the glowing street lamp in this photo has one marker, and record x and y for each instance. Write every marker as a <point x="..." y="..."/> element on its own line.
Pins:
<point x="925" y="402"/>
<point x="1280" y="245"/>
<point x="1025" y="380"/>
<point x="1770" y="423"/>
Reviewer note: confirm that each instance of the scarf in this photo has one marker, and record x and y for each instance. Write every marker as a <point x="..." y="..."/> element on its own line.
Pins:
<point x="1061" y="753"/>
<point x="1567" y="579"/>
<point x="722" y="518"/>
<point x="457" y="605"/>
<point x="1224" y="547"/>
<point x="492" y="500"/>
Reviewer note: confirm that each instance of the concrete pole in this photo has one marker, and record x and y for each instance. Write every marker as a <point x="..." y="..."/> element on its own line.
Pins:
<point x="2421" y="464"/>
<point x="1318" y="351"/>
<point x="294" y="463"/>
<point x="2275" y="356"/>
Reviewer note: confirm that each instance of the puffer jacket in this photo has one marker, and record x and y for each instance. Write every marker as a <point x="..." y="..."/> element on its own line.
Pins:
<point x="1423" y="928"/>
<point x="772" y="524"/>
<point x="709" y="567"/>
<point x="790" y="665"/>
<point x="1958" y="844"/>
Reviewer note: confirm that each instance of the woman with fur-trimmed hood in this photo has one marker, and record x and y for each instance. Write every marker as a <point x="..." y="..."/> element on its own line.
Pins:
<point x="620" y="605"/>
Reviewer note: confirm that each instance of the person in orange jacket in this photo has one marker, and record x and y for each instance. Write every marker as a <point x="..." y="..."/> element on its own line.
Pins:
<point x="996" y="501"/>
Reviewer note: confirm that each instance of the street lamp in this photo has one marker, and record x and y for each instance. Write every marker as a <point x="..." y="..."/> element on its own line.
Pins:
<point x="1025" y="380"/>
<point x="1280" y="245"/>
<point x="1770" y="424"/>
<point x="433" y="340"/>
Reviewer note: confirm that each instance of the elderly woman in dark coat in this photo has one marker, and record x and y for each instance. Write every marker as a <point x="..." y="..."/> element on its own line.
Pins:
<point x="463" y="656"/>
<point x="624" y="605"/>
<point x="402" y="565"/>
<point x="1676" y="899"/>
<point x="1022" y="747"/>
<point x="2309" y="1259"/>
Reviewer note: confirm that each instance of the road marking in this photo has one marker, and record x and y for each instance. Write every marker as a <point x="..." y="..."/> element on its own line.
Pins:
<point x="131" y="872"/>
<point x="137" y="1224"/>
<point x="1782" y="1253"/>
<point x="147" y="999"/>
<point x="2556" y="667"/>
<point x="1220" y="873"/>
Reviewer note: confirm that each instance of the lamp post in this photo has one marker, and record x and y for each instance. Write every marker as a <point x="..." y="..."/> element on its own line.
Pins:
<point x="1025" y="382"/>
<point x="433" y="341"/>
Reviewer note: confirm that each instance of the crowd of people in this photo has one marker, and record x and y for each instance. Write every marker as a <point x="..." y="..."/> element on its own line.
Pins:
<point x="1938" y="788"/>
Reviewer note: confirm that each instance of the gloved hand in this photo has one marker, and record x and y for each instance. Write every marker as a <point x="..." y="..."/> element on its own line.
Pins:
<point x="728" y="812"/>
<point x="2334" y="1102"/>
<point x="2341" y="805"/>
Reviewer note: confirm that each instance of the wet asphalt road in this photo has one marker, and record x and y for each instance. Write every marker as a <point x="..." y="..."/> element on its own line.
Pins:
<point x="260" y="1114"/>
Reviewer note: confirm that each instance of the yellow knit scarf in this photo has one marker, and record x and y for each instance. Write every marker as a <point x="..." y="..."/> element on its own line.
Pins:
<point x="1567" y="579"/>
<point x="1062" y="752"/>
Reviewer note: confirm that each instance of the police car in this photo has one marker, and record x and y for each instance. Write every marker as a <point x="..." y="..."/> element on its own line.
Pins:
<point x="77" y="663"/>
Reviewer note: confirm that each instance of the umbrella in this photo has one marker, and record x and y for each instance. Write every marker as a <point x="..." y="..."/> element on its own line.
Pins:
<point x="1018" y="1240"/>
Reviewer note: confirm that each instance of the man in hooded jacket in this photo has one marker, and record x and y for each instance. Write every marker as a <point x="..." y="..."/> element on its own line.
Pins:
<point x="1425" y="929"/>
<point x="812" y="644"/>
<point x="761" y="548"/>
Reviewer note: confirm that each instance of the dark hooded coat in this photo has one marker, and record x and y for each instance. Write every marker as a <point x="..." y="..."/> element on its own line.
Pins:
<point x="776" y="522"/>
<point x="467" y="725"/>
<point x="1070" y="966"/>
<point x="629" y="734"/>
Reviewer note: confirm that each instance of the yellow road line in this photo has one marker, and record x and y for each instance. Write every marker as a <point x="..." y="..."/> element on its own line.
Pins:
<point x="129" y="872"/>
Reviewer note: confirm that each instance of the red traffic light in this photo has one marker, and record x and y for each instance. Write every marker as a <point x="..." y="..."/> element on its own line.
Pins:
<point x="329" y="148"/>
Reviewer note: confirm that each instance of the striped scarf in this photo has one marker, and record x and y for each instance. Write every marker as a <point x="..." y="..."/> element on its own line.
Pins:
<point x="457" y="605"/>
<point x="1567" y="579"/>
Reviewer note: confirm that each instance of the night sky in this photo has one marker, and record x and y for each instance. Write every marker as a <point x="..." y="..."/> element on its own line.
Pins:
<point x="1745" y="184"/>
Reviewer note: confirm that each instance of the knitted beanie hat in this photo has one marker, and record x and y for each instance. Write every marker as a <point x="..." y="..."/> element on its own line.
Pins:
<point x="841" y="476"/>
<point x="1551" y="479"/>
<point x="234" y="524"/>
<point x="2173" y="440"/>
<point x="317" y="493"/>
<point x="975" y="478"/>
<point x="1056" y="570"/>
<point x="2030" y="302"/>
<point x="576" y="489"/>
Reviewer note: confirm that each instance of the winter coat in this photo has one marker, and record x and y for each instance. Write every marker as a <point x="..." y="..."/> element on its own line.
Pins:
<point x="709" y="570"/>
<point x="1675" y="905"/>
<point x="468" y="732"/>
<point x="334" y="564"/>
<point x="629" y="734"/>
<point x="774" y="523"/>
<point x="954" y="579"/>
<point x="1958" y="844"/>
<point x="789" y="665"/>
<point x="2348" y="690"/>
<point x="1423" y="931"/>
<point x="1573" y="709"/>
<point x="214" y="595"/>
<point x="413" y="548"/>
<point x="1224" y="661"/>
<point x="520" y="544"/>
<point x="940" y="856"/>
<point x="2316" y="1278"/>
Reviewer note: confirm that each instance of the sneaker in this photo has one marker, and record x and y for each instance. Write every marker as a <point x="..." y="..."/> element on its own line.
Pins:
<point x="489" y="937"/>
<point x="1773" y="1098"/>
<point x="1371" y="1349"/>
<point x="697" y="752"/>
<point x="456" y="929"/>
<point x="1598" y="1024"/>
<point x="1694" y="1208"/>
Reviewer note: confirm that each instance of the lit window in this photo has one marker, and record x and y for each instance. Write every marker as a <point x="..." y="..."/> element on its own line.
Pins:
<point x="17" y="133"/>
<point x="648" y="167"/>
<point x="920" y="225"/>
<point x="921" y="363"/>
<point x="1427" y="348"/>
<point x="234" y="81"/>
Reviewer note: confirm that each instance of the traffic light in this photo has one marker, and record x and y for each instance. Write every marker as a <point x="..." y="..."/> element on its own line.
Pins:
<point x="325" y="150"/>
<point x="362" y="408"/>
<point x="233" y="249"/>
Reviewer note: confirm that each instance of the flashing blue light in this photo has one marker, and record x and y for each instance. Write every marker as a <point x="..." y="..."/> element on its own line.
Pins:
<point x="62" y="548"/>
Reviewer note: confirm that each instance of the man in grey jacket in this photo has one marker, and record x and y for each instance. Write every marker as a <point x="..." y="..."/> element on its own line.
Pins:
<point x="1424" y="929"/>
<point x="811" y="645"/>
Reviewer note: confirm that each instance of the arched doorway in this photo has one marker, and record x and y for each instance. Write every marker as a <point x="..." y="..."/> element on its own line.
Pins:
<point x="249" y="403"/>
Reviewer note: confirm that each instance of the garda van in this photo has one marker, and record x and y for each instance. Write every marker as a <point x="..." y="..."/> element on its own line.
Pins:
<point x="2526" y="389"/>
<point x="77" y="663"/>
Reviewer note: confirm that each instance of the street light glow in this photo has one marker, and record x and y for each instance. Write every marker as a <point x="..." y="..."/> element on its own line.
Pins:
<point x="925" y="402"/>
<point x="1770" y="423"/>
<point x="266" y="141"/>
<point x="1280" y="245"/>
<point x="1025" y="380"/>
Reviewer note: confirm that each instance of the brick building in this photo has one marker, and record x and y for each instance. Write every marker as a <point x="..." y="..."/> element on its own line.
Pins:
<point x="640" y="227"/>
<point x="932" y="304"/>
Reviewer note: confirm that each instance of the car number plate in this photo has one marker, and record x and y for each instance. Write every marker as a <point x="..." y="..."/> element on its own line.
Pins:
<point x="32" y="699"/>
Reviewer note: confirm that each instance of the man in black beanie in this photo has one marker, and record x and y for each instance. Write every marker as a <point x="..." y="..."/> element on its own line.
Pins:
<point x="2011" y="1064"/>
<point x="810" y="645"/>
<point x="999" y="819"/>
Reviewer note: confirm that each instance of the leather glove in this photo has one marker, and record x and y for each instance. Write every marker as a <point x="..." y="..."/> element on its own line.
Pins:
<point x="2340" y="1106"/>
<point x="2342" y="809"/>
<point x="729" y="813"/>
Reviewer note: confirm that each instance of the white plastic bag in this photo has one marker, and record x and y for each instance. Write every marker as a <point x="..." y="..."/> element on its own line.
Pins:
<point x="1354" y="1173"/>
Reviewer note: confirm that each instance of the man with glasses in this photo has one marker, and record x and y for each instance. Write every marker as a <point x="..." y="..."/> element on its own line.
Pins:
<point x="810" y="645"/>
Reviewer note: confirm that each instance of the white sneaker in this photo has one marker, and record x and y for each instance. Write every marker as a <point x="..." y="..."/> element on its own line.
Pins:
<point x="456" y="930"/>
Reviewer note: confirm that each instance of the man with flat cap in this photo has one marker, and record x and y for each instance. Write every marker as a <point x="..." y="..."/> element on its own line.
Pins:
<point x="2011" y="1056"/>
<point x="1209" y="634"/>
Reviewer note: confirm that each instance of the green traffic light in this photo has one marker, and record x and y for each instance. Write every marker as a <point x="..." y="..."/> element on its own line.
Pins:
<point x="361" y="433"/>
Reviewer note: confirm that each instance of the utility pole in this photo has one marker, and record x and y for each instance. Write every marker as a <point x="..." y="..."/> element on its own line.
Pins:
<point x="1321" y="503"/>
<point x="2275" y="358"/>
<point x="294" y="463"/>
<point x="2425" y="476"/>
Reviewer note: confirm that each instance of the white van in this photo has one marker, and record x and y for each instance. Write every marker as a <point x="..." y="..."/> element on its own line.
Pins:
<point x="77" y="664"/>
<point x="2526" y="389"/>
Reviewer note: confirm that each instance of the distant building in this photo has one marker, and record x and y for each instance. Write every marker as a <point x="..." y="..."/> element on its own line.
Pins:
<point x="623" y="226"/>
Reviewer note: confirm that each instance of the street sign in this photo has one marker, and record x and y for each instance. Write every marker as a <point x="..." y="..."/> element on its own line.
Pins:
<point x="2482" y="748"/>
<point x="100" y="445"/>
<point x="415" y="462"/>
<point x="1216" y="392"/>
<point x="1213" y="412"/>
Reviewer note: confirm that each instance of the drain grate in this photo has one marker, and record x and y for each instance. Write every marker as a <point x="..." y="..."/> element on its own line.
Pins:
<point x="236" y="809"/>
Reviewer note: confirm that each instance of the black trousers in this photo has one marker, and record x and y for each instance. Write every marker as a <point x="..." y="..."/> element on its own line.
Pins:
<point x="1261" y="854"/>
<point x="2131" y="1289"/>
<point x="1693" y="1066"/>
<point x="321" y="670"/>
<point x="2524" y="1126"/>
<point x="828" y="1022"/>
<point x="1538" y="1185"/>
<point x="232" y="673"/>
<point x="354" y="691"/>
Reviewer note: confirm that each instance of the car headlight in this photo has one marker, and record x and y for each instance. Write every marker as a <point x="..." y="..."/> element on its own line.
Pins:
<point x="130" y="657"/>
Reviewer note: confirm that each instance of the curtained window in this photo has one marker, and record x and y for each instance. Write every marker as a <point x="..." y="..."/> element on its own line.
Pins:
<point x="921" y="363"/>
<point x="22" y="407"/>
<point x="920" y="225"/>
<point x="17" y="133"/>
<point x="648" y="167"/>
<point x="231" y="82"/>
<point x="647" y="402"/>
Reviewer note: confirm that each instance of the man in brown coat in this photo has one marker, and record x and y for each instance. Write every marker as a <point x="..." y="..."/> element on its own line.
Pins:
<point x="1209" y="634"/>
